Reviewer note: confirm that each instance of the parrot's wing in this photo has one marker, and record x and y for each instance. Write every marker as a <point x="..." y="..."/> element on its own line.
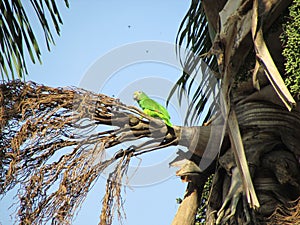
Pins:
<point x="164" y="111"/>
<point x="154" y="106"/>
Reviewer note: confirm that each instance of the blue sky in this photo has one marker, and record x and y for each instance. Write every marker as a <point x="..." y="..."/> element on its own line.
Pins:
<point x="91" y="30"/>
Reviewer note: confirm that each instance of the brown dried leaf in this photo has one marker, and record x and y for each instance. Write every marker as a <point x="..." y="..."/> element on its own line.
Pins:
<point x="265" y="59"/>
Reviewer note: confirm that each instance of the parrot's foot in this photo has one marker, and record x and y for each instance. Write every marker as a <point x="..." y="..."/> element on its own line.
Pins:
<point x="234" y="194"/>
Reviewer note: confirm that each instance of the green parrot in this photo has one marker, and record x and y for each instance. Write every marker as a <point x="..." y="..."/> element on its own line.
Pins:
<point x="151" y="107"/>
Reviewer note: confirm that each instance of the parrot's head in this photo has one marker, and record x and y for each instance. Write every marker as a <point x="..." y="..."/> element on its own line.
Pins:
<point x="139" y="95"/>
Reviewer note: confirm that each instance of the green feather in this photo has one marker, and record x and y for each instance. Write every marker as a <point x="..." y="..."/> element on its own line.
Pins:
<point x="151" y="107"/>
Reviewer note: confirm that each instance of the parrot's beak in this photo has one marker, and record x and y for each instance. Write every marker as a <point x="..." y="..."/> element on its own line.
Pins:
<point x="135" y="96"/>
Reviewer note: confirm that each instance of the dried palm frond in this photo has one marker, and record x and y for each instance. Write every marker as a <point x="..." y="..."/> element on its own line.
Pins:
<point x="53" y="144"/>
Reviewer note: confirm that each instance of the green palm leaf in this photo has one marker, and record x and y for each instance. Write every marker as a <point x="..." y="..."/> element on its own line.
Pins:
<point x="194" y="35"/>
<point x="17" y="36"/>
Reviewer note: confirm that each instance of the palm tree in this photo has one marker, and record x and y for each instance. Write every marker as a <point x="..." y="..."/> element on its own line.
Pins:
<point x="239" y="40"/>
<point x="17" y="34"/>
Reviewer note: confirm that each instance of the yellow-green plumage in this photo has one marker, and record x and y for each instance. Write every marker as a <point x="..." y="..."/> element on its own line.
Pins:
<point x="151" y="107"/>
